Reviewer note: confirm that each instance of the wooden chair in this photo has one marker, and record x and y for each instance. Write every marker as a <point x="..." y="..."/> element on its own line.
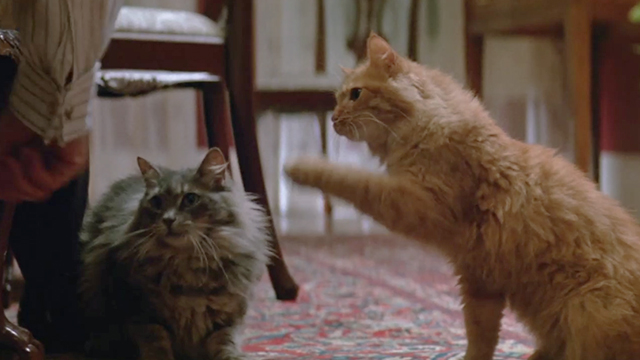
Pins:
<point x="201" y="57"/>
<point x="581" y="23"/>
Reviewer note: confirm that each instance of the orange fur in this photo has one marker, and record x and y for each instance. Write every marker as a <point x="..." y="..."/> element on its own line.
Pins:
<point x="521" y="226"/>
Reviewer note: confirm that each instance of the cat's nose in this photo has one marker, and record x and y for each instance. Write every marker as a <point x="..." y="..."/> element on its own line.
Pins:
<point x="335" y="117"/>
<point x="168" y="221"/>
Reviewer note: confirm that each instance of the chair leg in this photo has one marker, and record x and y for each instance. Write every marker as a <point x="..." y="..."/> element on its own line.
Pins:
<point x="578" y="37"/>
<point x="216" y="104"/>
<point x="217" y="117"/>
<point x="328" y="206"/>
<point x="11" y="335"/>
<point x="474" y="61"/>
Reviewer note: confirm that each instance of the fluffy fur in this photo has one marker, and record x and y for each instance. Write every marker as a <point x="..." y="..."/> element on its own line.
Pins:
<point x="170" y="259"/>
<point x="521" y="226"/>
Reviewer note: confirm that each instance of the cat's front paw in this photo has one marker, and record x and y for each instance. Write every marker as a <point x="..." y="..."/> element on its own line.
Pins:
<point x="306" y="170"/>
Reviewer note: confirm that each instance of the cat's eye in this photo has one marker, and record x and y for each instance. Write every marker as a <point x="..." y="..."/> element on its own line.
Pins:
<point x="155" y="202"/>
<point x="355" y="94"/>
<point x="190" y="199"/>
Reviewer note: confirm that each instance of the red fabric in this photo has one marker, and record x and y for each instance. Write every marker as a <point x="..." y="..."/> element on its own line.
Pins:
<point x="619" y="78"/>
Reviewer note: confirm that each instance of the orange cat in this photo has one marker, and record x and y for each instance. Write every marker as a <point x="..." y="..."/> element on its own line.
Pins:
<point x="521" y="226"/>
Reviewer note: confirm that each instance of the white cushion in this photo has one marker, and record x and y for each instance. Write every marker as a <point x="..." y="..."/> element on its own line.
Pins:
<point x="140" y="82"/>
<point x="134" y="19"/>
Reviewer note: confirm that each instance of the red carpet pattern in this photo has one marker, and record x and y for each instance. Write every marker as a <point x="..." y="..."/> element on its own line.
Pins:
<point x="378" y="297"/>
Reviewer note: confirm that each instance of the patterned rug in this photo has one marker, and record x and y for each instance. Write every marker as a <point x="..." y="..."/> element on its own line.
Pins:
<point x="378" y="297"/>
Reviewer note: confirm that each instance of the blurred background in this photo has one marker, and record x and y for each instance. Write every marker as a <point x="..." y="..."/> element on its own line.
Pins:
<point x="532" y="82"/>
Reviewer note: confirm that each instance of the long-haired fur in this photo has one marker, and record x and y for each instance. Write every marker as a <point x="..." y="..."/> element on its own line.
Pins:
<point x="170" y="259"/>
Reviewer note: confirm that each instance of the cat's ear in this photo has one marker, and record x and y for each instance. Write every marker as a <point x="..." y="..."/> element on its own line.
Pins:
<point x="381" y="55"/>
<point x="212" y="169"/>
<point x="345" y="71"/>
<point x="149" y="173"/>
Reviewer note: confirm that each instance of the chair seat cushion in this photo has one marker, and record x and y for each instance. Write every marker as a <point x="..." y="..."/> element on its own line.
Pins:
<point x="134" y="19"/>
<point x="140" y="82"/>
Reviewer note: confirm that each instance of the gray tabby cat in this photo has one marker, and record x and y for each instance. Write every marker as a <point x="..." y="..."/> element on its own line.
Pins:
<point x="170" y="259"/>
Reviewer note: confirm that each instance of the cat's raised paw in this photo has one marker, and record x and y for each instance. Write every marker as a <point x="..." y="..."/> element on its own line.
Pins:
<point x="306" y="170"/>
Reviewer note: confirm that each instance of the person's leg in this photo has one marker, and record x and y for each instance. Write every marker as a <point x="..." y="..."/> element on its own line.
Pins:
<point x="44" y="240"/>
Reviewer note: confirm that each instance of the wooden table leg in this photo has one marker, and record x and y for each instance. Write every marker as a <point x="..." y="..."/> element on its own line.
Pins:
<point x="578" y="37"/>
<point x="12" y="336"/>
<point x="217" y="118"/>
<point x="240" y="80"/>
<point x="474" y="56"/>
<point x="251" y="171"/>
<point x="328" y="206"/>
<point x="474" y="63"/>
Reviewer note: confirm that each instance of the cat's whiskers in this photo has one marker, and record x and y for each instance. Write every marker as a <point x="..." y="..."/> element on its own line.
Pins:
<point x="204" y="260"/>
<point x="214" y="251"/>
<point x="209" y="246"/>
<point x="353" y="120"/>
<point x="370" y="116"/>
<point x="143" y="254"/>
<point x="207" y="226"/>
<point x="137" y="242"/>
<point x="342" y="119"/>
<point x="403" y="114"/>
<point x="355" y="130"/>
<point x="155" y="231"/>
<point x="334" y="139"/>
<point x="347" y="120"/>
<point x="357" y="121"/>
<point x="334" y="123"/>
<point x="136" y="246"/>
<point x="134" y="233"/>
<point x="195" y="246"/>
